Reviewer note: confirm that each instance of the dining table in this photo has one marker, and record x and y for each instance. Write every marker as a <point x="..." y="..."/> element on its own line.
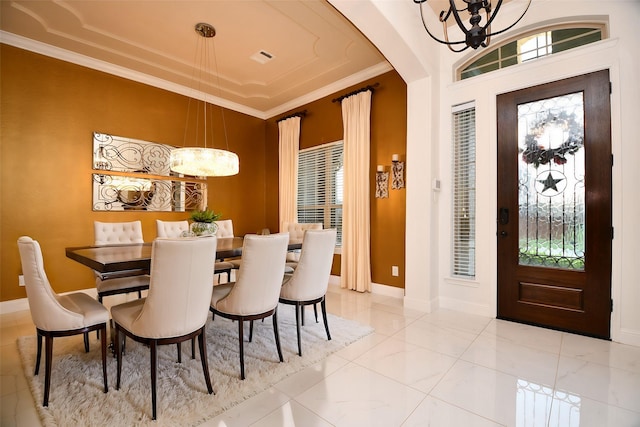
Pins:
<point x="111" y="259"/>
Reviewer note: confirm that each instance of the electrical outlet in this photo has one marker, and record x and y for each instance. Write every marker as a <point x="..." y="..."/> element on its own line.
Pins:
<point x="394" y="270"/>
<point x="20" y="280"/>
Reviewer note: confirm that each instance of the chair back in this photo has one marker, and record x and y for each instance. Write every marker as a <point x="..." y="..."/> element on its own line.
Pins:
<point x="225" y="228"/>
<point x="171" y="229"/>
<point x="117" y="233"/>
<point x="180" y="288"/>
<point x="296" y="230"/>
<point x="257" y="288"/>
<point x="311" y="277"/>
<point x="46" y="311"/>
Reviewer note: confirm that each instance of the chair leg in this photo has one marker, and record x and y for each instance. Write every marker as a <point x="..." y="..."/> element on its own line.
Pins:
<point x="48" y="348"/>
<point x="103" y="343"/>
<point x="140" y="296"/>
<point x="315" y="311"/>
<point x="86" y="341"/>
<point x="241" y="340"/>
<point x="299" y="309"/>
<point x="38" y="354"/>
<point x="277" y="336"/>
<point x="118" y="350"/>
<point x="179" y="345"/>
<point x="250" y="330"/>
<point x="154" y="376"/>
<point x="193" y="348"/>
<point x="202" y="341"/>
<point x="323" y="306"/>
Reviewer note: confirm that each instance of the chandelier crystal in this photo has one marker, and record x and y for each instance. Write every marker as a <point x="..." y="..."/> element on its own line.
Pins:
<point x="204" y="161"/>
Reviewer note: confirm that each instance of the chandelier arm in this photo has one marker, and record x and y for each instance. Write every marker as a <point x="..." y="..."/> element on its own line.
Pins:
<point x="495" y="13"/>
<point x="456" y="16"/>
<point x="512" y="25"/>
<point x="424" y="24"/>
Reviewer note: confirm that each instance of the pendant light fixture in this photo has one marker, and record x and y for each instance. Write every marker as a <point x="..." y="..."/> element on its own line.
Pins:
<point x="203" y="160"/>
<point x="479" y="33"/>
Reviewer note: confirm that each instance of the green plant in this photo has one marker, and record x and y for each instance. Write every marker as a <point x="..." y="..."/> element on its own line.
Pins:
<point x="205" y="215"/>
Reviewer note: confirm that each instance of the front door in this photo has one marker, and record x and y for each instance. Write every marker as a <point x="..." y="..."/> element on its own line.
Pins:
<point x="554" y="205"/>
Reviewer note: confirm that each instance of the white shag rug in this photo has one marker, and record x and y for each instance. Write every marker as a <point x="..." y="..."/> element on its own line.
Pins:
<point x="77" y="398"/>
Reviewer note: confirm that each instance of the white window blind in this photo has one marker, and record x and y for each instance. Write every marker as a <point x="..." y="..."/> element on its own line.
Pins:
<point x="320" y="186"/>
<point x="464" y="191"/>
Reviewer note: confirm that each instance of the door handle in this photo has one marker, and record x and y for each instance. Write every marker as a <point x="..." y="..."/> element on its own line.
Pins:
<point x="503" y="234"/>
<point x="503" y="216"/>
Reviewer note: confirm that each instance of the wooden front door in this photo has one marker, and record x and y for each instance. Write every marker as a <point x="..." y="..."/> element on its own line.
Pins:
<point x="554" y="205"/>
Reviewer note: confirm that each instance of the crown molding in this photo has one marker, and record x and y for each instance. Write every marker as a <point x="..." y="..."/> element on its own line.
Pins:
<point x="106" y="67"/>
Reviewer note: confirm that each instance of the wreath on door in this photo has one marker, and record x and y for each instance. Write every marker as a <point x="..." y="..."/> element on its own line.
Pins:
<point x="537" y="154"/>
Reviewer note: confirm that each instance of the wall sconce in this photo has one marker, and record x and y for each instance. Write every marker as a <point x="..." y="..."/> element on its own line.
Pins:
<point x="397" y="169"/>
<point x="382" y="183"/>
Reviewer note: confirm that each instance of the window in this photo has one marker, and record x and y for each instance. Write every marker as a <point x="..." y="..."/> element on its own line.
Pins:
<point x="320" y="186"/>
<point x="464" y="191"/>
<point x="532" y="46"/>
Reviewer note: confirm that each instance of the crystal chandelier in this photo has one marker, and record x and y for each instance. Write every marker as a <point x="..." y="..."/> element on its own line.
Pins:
<point x="204" y="161"/>
<point x="477" y="34"/>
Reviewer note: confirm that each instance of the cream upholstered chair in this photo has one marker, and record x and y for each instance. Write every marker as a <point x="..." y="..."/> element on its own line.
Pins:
<point x="118" y="233"/>
<point x="225" y="229"/>
<point x="171" y="229"/>
<point x="296" y="232"/>
<point x="255" y="294"/>
<point x="177" y="306"/>
<point x="58" y="315"/>
<point x="308" y="283"/>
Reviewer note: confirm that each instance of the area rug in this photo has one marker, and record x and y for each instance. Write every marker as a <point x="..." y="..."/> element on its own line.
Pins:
<point x="77" y="398"/>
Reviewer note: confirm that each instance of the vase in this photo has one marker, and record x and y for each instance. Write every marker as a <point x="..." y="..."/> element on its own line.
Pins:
<point x="203" y="228"/>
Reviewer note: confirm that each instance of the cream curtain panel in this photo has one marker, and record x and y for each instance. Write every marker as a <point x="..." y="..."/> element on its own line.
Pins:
<point x="356" y="256"/>
<point x="289" y="143"/>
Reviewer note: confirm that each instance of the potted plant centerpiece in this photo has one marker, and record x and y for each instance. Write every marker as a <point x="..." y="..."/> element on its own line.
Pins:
<point x="204" y="222"/>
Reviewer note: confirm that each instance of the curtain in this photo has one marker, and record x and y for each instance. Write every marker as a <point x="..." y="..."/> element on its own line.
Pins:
<point x="356" y="256"/>
<point x="289" y="142"/>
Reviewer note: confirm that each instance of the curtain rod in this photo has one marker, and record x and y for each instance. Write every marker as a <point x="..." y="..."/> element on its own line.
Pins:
<point x="369" y="87"/>
<point x="300" y="114"/>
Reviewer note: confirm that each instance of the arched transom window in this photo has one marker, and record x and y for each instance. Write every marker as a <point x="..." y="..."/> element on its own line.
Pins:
<point x="536" y="44"/>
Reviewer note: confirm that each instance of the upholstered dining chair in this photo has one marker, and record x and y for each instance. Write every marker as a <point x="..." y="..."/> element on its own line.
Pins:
<point x="309" y="281"/>
<point x="122" y="282"/>
<point x="225" y="229"/>
<point x="255" y="293"/>
<point x="171" y="229"/>
<point x="176" y="307"/>
<point x="58" y="315"/>
<point x="296" y="231"/>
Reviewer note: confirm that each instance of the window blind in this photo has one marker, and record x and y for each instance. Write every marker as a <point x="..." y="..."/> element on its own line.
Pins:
<point x="464" y="191"/>
<point x="320" y="186"/>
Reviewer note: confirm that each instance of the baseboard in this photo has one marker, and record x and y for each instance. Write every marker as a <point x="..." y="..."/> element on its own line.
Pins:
<point x="466" y="307"/>
<point x="376" y="288"/>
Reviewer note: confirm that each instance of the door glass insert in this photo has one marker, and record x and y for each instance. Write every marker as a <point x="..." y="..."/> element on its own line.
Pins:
<point x="551" y="196"/>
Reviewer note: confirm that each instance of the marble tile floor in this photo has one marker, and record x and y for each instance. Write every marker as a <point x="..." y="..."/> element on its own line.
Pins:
<point x="440" y="369"/>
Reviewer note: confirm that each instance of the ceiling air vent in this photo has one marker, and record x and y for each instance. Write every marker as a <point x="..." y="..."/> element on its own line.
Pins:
<point x="262" y="56"/>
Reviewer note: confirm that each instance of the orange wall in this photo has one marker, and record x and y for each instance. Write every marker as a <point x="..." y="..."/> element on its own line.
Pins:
<point x="50" y="108"/>
<point x="323" y="124"/>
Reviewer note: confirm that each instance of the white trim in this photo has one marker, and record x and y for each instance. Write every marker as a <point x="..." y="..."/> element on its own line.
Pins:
<point x="386" y="290"/>
<point x="466" y="307"/>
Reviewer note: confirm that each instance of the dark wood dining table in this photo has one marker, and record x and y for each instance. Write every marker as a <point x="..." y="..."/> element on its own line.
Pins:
<point x="114" y="258"/>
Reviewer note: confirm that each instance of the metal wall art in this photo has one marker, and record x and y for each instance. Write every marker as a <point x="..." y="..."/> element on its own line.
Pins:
<point x="382" y="183"/>
<point x="397" y="171"/>
<point x="135" y="175"/>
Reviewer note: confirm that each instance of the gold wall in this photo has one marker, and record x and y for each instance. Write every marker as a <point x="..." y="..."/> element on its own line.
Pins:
<point x="50" y="108"/>
<point x="323" y="124"/>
